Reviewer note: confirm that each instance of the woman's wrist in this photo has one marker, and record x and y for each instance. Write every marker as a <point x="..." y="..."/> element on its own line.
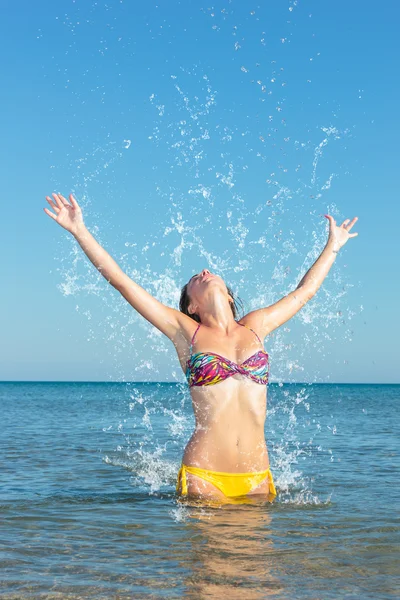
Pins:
<point x="78" y="230"/>
<point x="333" y="246"/>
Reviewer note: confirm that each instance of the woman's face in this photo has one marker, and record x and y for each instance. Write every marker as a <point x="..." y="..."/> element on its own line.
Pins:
<point x="202" y="281"/>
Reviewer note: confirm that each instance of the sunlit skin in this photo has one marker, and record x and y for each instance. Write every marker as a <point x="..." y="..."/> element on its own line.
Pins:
<point x="230" y="416"/>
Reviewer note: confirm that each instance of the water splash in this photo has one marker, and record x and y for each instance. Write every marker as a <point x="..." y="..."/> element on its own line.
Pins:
<point x="244" y="194"/>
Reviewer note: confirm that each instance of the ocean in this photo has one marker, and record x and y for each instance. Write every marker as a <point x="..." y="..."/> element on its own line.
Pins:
<point x="89" y="510"/>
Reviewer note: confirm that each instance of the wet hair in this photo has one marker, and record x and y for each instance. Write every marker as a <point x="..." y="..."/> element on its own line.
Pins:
<point x="185" y="301"/>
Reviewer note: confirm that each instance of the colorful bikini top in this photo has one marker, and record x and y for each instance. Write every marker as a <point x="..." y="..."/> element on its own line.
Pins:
<point x="207" y="368"/>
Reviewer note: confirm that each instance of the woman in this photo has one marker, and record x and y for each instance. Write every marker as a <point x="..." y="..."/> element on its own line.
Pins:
<point x="223" y="359"/>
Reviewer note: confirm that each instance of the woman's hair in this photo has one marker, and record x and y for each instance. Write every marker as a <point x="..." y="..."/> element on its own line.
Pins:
<point x="185" y="301"/>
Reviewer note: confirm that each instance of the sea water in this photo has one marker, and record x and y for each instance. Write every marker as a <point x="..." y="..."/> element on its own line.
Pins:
<point x="89" y="510"/>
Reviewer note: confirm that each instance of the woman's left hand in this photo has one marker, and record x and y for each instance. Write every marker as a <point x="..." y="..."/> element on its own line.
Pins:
<point x="339" y="235"/>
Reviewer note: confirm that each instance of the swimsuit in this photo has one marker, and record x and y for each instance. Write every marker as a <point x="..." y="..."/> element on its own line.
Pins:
<point x="208" y="368"/>
<point x="230" y="484"/>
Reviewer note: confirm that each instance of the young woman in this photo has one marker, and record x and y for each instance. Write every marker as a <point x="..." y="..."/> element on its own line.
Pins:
<point x="223" y="359"/>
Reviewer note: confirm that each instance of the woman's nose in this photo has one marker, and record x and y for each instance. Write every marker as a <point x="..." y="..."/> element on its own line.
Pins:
<point x="205" y="271"/>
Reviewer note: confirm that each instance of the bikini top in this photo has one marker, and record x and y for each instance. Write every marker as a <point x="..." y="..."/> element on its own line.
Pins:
<point x="207" y="368"/>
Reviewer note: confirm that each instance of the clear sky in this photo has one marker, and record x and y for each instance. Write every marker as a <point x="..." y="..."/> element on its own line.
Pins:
<point x="197" y="135"/>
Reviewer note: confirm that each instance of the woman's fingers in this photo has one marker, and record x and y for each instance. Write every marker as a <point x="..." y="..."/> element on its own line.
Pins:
<point x="353" y="234"/>
<point x="50" y="201"/>
<point x="73" y="201"/>
<point x="331" y="220"/>
<point x="46" y="210"/>
<point x="61" y="201"/>
<point x="64" y="200"/>
<point x="347" y="224"/>
<point x="352" y="223"/>
<point x="58" y="201"/>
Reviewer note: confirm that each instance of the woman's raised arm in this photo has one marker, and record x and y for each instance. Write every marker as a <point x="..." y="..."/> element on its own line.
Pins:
<point x="168" y="320"/>
<point x="265" y="320"/>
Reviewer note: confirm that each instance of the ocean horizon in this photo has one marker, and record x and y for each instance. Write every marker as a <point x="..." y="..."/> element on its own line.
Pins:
<point x="182" y="383"/>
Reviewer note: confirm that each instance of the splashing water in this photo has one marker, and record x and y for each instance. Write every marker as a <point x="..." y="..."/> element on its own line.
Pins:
<point x="241" y="194"/>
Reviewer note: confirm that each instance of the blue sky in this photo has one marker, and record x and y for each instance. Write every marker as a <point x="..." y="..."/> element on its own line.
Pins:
<point x="197" y="136"/>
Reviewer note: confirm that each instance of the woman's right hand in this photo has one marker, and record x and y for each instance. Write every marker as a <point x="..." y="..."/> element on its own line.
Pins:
<point x="67" y="215"/>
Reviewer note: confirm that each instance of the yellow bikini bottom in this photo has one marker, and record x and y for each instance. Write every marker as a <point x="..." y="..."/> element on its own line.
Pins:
<point x="230" y="484"/>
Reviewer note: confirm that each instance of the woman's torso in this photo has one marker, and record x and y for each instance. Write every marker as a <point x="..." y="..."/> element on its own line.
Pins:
<point x="230" y="415"/>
